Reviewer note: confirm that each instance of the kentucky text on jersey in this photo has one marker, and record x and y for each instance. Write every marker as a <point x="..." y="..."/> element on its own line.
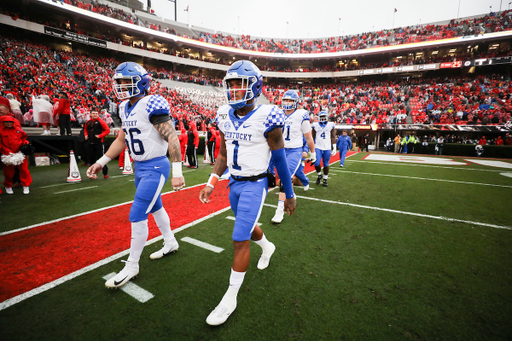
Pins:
<point x="238" y="136"/>
<point x="129" y="123"/>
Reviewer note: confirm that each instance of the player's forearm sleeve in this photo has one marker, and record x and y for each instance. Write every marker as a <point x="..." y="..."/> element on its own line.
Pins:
<point x="279" y="158"/>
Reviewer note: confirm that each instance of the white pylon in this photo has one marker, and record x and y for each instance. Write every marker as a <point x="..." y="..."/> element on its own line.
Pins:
<point x="73" y="171"/>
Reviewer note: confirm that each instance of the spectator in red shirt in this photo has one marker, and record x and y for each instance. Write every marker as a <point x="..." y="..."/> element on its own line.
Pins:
<point x="95" y="131"/>
<point x="63" y="113"/>
<point x="482" y="141"/>
<point x="183" y="143"/>
<point x="499" y="141"/>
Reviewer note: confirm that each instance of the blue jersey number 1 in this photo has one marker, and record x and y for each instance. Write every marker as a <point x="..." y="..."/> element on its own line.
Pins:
<point x="235" y="156"/>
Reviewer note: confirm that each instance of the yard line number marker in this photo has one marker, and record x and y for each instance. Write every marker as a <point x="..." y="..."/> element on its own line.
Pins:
<point x="133" y="290"/>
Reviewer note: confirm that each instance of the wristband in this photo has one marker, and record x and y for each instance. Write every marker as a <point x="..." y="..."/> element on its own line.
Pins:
<point x="212" y="181"/>
<point x="176" y="170"/>
<point x="103" y="160"/>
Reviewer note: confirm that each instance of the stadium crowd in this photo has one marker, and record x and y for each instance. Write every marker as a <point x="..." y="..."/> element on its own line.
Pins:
<point x="456" y="100"/>
<point x="492" y="22"/>
<point x="29" y="70"/>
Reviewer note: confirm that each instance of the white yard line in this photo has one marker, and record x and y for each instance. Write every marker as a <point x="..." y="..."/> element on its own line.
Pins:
<point x="133" y="290"/>
<point x="203" y="245"/>
<point x="429" y="179"/>
<point x="76" y="189"/>
<point x="409" y="213"/>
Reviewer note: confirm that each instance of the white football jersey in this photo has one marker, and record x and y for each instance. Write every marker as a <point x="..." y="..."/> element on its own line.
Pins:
<point x="143" y="140"/>
<point x="295" y="126"/>
<point x="323" y="135"/>
<point x="248" y="152"/>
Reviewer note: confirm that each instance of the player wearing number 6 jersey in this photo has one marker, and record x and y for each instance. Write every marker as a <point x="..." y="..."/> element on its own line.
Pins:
<point x="296" y="127"/>
<point x="148" y="133"/>
<point x="250" y="134"/>
<point x="323" y="133"/>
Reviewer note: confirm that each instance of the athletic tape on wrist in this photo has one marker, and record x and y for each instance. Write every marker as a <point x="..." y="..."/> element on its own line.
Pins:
<point x="103" y="160"/>
<point x="176" y="170"/>
<point x="212" y="181"/>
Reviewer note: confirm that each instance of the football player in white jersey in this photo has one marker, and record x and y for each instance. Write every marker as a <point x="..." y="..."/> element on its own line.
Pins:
<point x="250" y="135"/>
<point x="148" y="133"/>
<point x="296" y="127"/>
<point x="323" y="133"/>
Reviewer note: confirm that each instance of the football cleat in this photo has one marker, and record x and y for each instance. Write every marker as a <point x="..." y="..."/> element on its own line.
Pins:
<point x="8" y="190"/>
<point x="306" y="187"/>
<point x="105" y="176"/>
<point x="341" y="165"/>
<point x="324" y="183"/>
<point x="130" y="270"/>
<point x="221" y="313"/>
<point x="318" y="179"/>
<point x="26" y="190"/>
<point x="265" y="257"/>
<point x="166" y="250"/>
<point x="278" y="217"/>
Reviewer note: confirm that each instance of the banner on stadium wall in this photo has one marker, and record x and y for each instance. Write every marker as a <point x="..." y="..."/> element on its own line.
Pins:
<point x="373" y="127"/>
<point x="448" y="127"/>
<point x="74" y="37"/>
<point x="451" y="65"/>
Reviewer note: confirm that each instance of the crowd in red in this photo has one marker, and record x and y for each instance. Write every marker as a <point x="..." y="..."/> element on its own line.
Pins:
<point x="29" y="69"/>
<point x="458" y="100"/>
<point x="493" y="22"/>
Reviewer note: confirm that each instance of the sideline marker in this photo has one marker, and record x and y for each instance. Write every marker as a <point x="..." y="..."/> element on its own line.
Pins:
<point x="73" y="171"/>
<point x="127" y="169"/>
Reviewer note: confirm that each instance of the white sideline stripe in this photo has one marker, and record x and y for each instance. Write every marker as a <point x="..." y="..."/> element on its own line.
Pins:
<point x="84" y="213"/>
<point x="410" y="213"/>
<point x="11" y="301"/>
<point x="233" y="218"/>
<point x="133" y="290"/>
<point x="63" y="184"/>
<point x="203" y="245"/>
<point x="74" y="190"/>
<point x="429" y="179"/>
<point x="390" y="163"/>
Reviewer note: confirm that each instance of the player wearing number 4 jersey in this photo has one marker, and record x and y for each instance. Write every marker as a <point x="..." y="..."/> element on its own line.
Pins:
<point x="250" y="134"/>
<point x="323" y="133"/>
<point x="148" y="133"/>
<point x="296" y="127"/>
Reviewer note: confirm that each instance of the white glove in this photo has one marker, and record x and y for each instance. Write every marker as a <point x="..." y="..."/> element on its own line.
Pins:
<point x="312" y="157"/>
<point x="333" y="149"/>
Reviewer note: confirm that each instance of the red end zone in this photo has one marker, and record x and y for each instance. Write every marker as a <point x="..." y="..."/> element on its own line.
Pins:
<point x="45" y="253"/>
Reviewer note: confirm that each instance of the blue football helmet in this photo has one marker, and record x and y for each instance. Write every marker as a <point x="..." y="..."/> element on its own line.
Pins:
<point x="290" y="95"/>
<point x="139" y="77"/>
<point x="252" y="83"/>
<point x="322" y="117"/>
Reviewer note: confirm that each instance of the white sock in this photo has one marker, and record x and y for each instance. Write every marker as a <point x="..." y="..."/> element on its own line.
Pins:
<point x="139" y="237"/>
<point x="280" y="205"/>
<point x="319" y="173"/>
<point x="325" y="177"/>
<point x="164" y="225"/>
<point x="235" y="282"/>
<point x="263" y="243"/>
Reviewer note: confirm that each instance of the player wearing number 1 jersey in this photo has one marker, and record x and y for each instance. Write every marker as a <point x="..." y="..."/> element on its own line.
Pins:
<point x="250" y="134"/>
<point x="148" y="133"/>
<point x="323" y="133"/>
<point x="296" y="127"/>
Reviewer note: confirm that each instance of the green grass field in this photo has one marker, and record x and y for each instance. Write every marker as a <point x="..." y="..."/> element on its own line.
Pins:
<point x="371" y="257"/>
